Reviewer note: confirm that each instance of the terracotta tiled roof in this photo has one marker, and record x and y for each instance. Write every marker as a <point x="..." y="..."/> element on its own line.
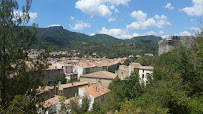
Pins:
<point x="136" y="65"/>
<point x="86" y="65"/>
<point x="72" y="84"/>
<point x="44" y="89"/>
<point x="123" y="67"/>
<point x="95" y="90"/>
<point x="54" y="66"/>
<point x="100" y="74"/>
<point x="146" y="67"/>
<point x="54" y="100"/>
<point x="67" y="64"/>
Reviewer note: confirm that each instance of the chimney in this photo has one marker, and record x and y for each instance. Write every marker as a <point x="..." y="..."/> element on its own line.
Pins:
<point x="96" y="88"/>
<point x="88" y="84"/>
<point x="72" y="83"/>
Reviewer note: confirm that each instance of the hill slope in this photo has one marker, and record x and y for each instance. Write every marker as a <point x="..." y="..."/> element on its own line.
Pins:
<point x="59" y="38"/>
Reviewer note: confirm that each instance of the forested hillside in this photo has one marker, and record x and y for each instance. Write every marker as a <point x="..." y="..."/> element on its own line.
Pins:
<point x="59" y="38"/>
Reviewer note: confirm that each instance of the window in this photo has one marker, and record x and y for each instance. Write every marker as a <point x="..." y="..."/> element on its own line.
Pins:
<point x="142" y="76"/>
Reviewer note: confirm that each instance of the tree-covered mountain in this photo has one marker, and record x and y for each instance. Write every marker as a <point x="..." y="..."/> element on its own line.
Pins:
<point x="59" y="38"/>
<point x="151" y="39"/>
<point x="104" y="39"/>
<point x="147" y="43"/>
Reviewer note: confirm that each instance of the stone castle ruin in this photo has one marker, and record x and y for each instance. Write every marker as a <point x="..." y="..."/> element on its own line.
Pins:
<point x="171" y="42"/>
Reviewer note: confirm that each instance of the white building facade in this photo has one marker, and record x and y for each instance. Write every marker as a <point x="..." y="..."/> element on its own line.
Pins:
<point x="144" y="73"/>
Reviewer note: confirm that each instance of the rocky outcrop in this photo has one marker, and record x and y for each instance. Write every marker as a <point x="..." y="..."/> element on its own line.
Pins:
<point x="170" y="43"/>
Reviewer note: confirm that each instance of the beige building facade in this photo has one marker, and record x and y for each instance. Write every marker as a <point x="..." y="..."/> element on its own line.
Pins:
<point x="102" y="77"/>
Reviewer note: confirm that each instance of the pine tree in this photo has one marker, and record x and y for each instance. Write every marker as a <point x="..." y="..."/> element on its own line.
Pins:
<point x="17" y="80"/>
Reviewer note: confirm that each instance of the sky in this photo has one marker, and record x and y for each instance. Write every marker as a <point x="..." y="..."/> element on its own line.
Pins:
<point x="122" y="19"/>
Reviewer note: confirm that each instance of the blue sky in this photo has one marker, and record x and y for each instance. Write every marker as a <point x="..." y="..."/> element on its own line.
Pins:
<point x="120" y="18"/>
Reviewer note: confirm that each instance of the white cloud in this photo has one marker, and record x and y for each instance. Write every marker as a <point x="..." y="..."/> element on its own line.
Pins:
<point x="80" y="25"/>
<point x="99" y="7"/>
<point x="161" y="32"/>
<point x="93" y="7"/>
<point x="163" y="37"/>
<point x="112" y="7"/>
<point x="92" y="34"/>
<point x="33" y="15"/>
<point x="118" y="33"/>
<point x="195" y="10"/>
<point x="112" y="32"/>
<point x="194" y="29"/>
<point x="143" y="23"/>
<point x="139" y="15"/>
<point x="111" y="19"/>
<point x="72" y="18"/>
<point x="186" y="33"/>
<point x="117" y="2"/>
<point x="149" y="33"/>
<point x="169" y="6"/>
<point x="191" y="31"/>
<point x="135" y="34"/>
<point x="54" y="25"/>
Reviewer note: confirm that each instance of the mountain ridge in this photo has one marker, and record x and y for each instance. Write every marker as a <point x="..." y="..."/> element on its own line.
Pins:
<point x="59" y="38"/>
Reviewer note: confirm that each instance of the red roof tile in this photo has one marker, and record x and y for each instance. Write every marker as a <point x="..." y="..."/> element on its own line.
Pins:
<point x="95" y="90"/>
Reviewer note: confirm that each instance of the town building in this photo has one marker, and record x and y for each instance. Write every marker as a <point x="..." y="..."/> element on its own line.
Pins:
<point x="123" y="71"/>
<point x="134" y="67"/>
<point x="94" y="92"/>
<point x="51" y="73"/>
<point x="54" y="105"/>
<point x="46" y="92"/>
<point x="144" y="73"/>
<point x="103" y="77"/>
<point x="149" y="54"/>
<point x="70" y="72"/>
<point x="70" y="89"/>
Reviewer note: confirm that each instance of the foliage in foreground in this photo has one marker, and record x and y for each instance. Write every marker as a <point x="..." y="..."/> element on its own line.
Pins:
<point x="176" y="88"/>
<point x="18" y="81"/>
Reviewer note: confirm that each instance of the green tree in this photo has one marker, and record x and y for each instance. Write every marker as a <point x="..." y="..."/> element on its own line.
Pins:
<point x="128" y="107"/>
<point x="184" y="63"/>
<point x="110" y="69"/>
<point x="76" y="108"/>
<point x="127" y="62"/>
<point x="60" y="78"/>
<point x="17" y="80"/>
<point x="85" y="104"/>
<point x="147" y="60"/>
<point x="167" y="97"/>
<point x="64" y="107"/>
<point x="98" y="108"/>
<point x="129" y="88"/>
